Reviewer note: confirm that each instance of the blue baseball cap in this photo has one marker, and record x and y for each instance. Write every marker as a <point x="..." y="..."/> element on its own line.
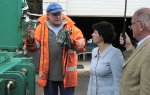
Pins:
<point x="54" y="7"/>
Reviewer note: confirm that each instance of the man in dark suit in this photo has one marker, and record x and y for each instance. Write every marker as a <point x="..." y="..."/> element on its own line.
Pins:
<point x="136" y="70"/>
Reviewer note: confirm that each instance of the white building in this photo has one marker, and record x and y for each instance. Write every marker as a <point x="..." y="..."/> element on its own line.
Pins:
<point x="98" y="8"/>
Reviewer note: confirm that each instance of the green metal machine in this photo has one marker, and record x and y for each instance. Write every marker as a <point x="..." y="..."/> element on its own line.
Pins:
<point x="17" y="73"/>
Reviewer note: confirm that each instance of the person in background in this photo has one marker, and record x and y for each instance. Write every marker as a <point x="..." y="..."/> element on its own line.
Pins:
<point x="59" y="40"/>
<point x="136" y="69"/>
<point x="106" y="63"/>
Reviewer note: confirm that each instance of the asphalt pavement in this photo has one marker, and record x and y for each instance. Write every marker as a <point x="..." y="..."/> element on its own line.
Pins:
<point x="83" y="76"/>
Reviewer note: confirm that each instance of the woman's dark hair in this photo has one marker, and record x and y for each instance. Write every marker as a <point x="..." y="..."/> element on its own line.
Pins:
<point x="106" y="30"/>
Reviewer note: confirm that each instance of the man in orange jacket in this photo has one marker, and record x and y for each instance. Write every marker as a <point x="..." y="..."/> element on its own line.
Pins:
<point x="58" y="40"/>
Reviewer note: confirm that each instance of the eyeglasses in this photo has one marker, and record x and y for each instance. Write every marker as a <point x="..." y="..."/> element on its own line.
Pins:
<point x="133" y="24"/>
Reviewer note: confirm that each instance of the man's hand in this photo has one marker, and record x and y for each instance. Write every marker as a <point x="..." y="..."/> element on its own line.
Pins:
<point x="128" y="43"/>
<point x="30" y="37"/>
<point x="69" y="41"/>
<point x="65" y="40"/>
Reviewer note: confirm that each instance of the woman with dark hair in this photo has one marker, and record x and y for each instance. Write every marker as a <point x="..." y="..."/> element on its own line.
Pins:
<point x="106" y="62"/>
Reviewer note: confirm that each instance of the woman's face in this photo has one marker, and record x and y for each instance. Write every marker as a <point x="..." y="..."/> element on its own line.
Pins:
<point x="96" y="37"/>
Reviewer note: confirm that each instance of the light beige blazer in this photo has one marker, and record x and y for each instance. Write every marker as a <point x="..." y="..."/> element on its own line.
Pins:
<point x="136" y="71"/>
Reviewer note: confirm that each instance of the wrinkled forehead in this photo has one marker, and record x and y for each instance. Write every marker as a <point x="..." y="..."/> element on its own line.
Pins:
<point x="133" y="17"/>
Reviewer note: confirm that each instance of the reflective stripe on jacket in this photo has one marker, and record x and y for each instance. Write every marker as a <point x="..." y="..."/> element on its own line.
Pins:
<point x="69" y="58"/>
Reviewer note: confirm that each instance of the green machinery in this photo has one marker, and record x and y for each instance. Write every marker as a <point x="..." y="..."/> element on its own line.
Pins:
<point x="17" y="73"/>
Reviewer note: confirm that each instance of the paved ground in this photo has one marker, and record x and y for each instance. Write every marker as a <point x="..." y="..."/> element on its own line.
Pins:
<point x="83" y="79"/>
<point x="83" y="74"/>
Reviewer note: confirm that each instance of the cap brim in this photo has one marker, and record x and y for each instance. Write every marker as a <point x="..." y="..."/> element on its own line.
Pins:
<point x="56" y="11"/>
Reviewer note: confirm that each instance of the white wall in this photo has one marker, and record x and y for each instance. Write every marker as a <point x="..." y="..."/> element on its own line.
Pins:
<point x="99" y="8"/>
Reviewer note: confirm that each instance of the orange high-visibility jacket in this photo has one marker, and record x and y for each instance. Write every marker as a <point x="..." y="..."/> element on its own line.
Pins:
<point x="69" y="56"/>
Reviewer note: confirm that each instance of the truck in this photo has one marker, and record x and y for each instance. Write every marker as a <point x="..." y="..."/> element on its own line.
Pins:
<point x="17" y="72"/>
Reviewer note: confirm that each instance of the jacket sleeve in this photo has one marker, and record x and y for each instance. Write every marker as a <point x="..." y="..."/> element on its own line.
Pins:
<point x="127" y="54"/>
<point x="78" y="40"/>
<point x="116" y="63"/>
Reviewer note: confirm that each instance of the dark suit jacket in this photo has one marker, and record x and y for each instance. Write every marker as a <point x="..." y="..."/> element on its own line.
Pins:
<point x="136" y="71"/>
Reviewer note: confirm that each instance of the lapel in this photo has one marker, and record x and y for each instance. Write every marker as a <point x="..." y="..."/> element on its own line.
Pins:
<point x="136" y="51"/>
